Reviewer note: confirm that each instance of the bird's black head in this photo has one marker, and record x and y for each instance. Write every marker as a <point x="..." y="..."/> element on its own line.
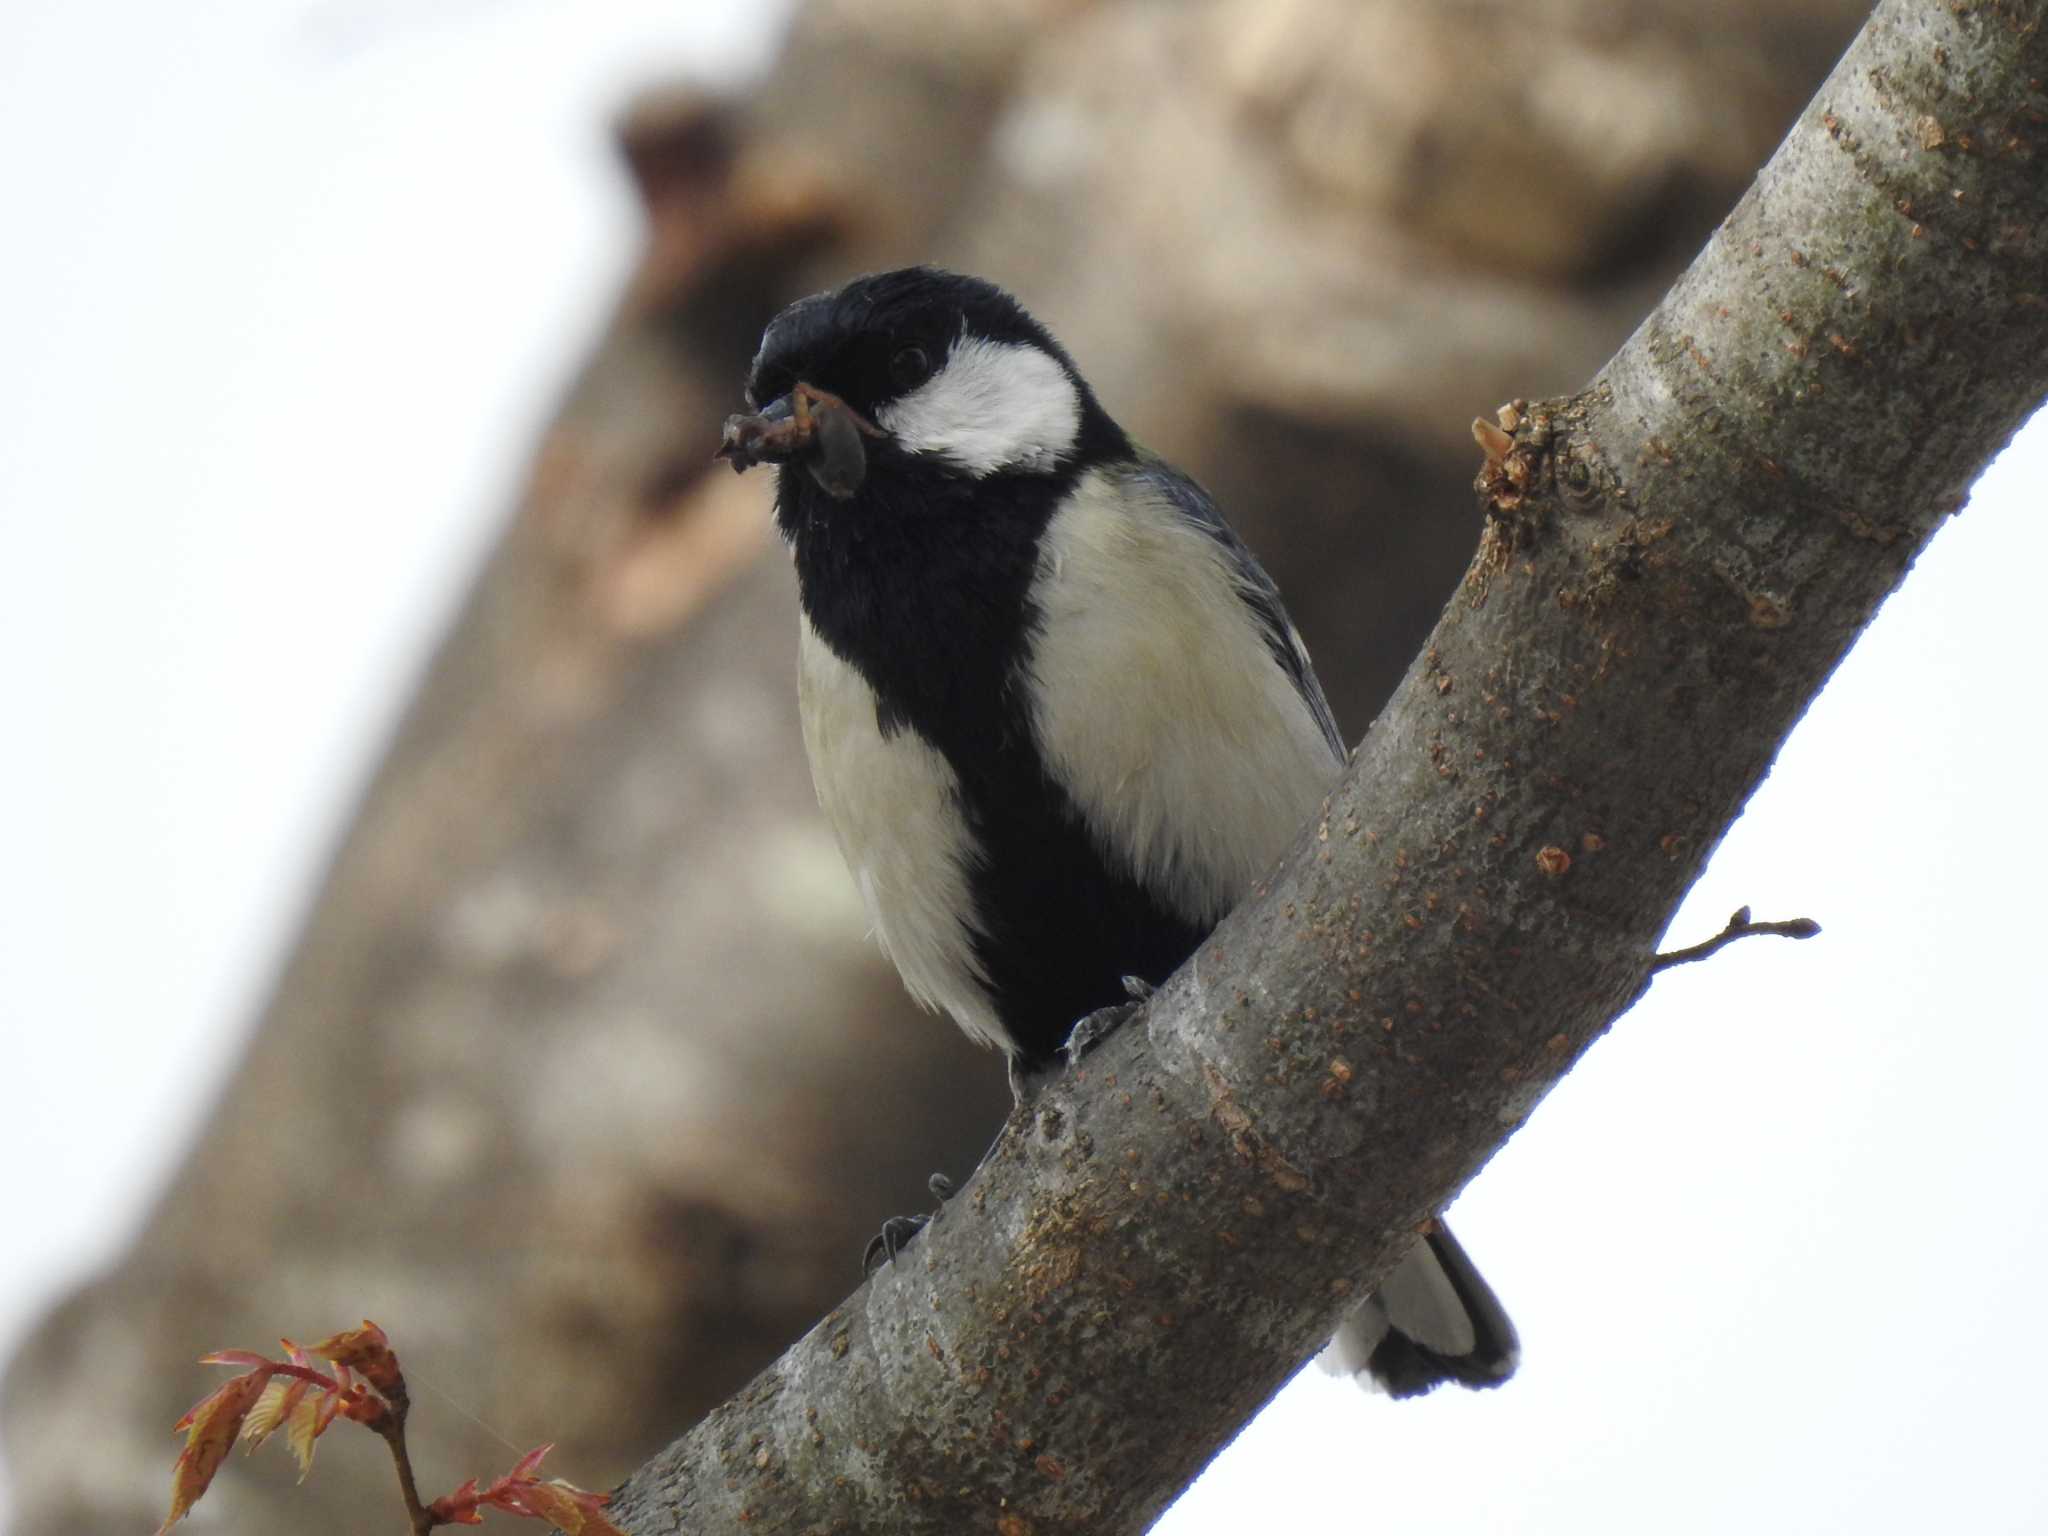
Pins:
<point x="915" y="381"/>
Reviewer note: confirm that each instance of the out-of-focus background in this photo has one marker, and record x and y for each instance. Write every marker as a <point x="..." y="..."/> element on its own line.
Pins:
<point x="412" y="902"/>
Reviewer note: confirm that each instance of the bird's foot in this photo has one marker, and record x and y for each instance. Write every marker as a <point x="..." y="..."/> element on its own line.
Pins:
<point x="894" y="1237"/>
<point x="1094" y="1028"/>
<point x="897" y="1231"/>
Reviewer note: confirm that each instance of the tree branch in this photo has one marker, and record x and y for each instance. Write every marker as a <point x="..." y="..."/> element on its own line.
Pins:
<point x="1674" y="562"/>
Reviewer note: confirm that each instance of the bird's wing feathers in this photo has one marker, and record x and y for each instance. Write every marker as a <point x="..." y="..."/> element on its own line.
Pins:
<point x="1257" y="589"/>
<point x="1183" y="727"/>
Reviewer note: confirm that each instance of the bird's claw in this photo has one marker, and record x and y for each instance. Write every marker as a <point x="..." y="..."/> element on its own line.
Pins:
<point x="894" y="1237"/>
<point x="897" y="1231"/>
<point x="1094" y="1028"/>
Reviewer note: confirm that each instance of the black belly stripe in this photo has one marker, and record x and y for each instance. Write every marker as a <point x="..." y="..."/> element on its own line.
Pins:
<point x="929" y="602"/>
<point x="1059" y="929"/>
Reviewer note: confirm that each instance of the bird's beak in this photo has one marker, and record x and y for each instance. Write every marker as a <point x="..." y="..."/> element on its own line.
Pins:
<point x="809" y="426"/>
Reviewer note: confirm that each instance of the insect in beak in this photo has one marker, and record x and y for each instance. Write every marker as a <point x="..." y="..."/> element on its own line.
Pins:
<point x="807" y="425"/>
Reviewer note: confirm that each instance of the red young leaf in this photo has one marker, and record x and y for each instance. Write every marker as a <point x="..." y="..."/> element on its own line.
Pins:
<point x="367" y="1350"/>
<point x="309" y="1422"/>
<point x="573" y="1509"/>
<point x="211" y="1424"/>
<point x="247" y="1357"/>
<point x="276" y="1405"/>
<point x="459" y="1507"/>
<point x="281" y="1401"/>
<point x="524" y="1468"/>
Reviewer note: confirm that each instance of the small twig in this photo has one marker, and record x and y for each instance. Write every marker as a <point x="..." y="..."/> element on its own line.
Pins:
<point x="367" y="1388"/>
<point x="392" y="1428"/>
<point x="1739" y="927"/>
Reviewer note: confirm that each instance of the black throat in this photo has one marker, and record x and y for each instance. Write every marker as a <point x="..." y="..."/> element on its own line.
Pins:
<point x="921" y="583"/>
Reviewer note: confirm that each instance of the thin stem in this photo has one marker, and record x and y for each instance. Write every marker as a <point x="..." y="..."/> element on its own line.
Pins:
<point x="392" y="1428"/>
<point x="1739" y="927"/>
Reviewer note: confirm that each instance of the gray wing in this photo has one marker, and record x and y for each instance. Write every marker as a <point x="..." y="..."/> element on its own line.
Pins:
<point x="1260" y="595"/>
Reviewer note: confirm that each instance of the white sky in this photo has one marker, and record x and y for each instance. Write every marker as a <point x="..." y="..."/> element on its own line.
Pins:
<point x="287" y="288"/>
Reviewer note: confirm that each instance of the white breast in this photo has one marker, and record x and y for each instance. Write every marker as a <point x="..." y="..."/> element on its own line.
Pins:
<point x="1158" y="704"/>
<point x="894" y="805"/>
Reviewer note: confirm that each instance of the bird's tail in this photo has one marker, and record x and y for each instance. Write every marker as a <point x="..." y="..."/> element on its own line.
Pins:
<point x="1433" y="1320"/>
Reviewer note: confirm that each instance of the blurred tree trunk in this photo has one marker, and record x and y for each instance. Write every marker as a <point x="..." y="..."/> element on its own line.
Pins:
<point x="582" y="1079"/>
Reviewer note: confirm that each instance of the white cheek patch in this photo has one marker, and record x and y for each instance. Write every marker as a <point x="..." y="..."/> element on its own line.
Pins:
<point x="894" y="805"/>
<point x="994" y="405"/>
<point x="1158" y="704"/>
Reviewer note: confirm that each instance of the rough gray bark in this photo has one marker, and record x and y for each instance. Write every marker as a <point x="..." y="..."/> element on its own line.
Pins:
<point x="581" y="1077"/>
<point x="1675" y="561"/>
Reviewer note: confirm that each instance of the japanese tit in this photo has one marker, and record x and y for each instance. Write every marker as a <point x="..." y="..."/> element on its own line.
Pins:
<point x="1055" y="712"/>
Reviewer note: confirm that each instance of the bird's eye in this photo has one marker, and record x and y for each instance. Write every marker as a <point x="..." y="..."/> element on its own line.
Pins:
<point x="909" y="367"/>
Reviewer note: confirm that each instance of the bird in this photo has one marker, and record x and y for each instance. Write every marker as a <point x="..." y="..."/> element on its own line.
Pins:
<point x="1056" y="714"/>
